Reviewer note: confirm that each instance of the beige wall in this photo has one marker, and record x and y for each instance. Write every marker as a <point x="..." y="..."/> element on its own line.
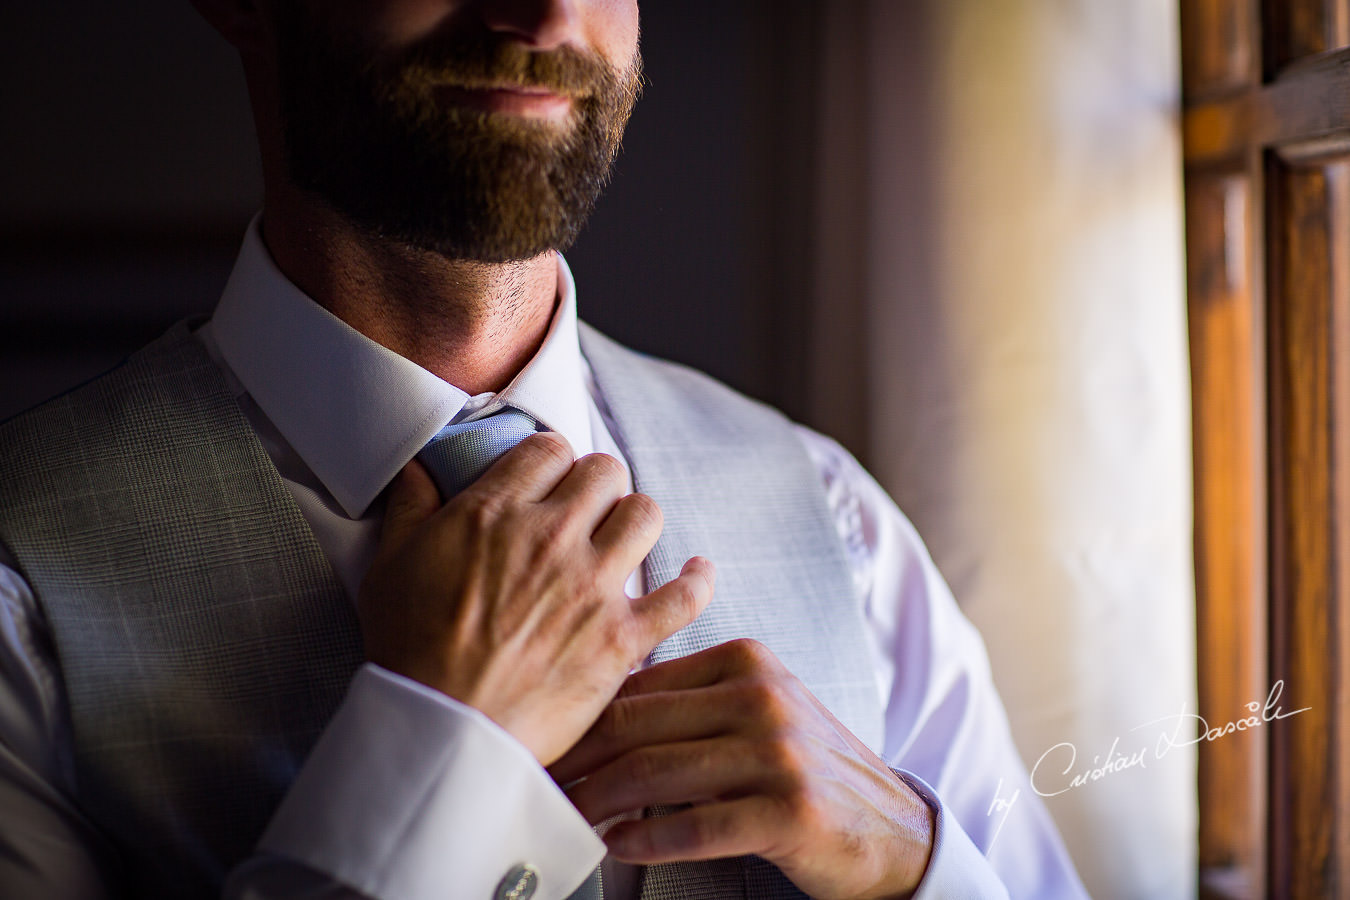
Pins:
<point x="1021" y="331"/>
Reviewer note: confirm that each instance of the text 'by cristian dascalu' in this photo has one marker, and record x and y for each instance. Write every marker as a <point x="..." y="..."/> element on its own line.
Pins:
<point x="1060" y="770"/>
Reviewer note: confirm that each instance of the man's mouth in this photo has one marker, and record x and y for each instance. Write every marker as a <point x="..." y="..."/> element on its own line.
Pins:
<point x="521" y="101"/>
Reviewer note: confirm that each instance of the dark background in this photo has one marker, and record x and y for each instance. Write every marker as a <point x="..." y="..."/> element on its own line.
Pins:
<point x="128" y="174"/>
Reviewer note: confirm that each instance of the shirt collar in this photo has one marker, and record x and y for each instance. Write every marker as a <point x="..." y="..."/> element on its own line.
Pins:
<point x="354" y="410"/>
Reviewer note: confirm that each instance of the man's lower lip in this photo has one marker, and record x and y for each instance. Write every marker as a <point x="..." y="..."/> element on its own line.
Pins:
<point x="528" y="104"/>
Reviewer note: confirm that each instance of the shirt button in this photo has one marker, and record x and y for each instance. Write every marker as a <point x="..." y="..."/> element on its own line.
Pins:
<point x="519" y="884"/>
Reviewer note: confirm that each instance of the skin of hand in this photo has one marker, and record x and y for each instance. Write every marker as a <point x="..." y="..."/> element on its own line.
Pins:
<point x="510" y="597"/>
<point x="768" y="770"/>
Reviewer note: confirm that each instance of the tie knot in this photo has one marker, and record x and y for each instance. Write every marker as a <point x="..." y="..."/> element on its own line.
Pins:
<point x="460" y="453"/>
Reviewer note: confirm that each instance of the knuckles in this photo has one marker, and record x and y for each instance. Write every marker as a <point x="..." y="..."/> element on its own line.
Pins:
<point x="643" y="513"/>
<point x="551" y="447"/>
<point x="747" y="655"/>
<point x="768" y="701"/>
<point x="602" y="469"/>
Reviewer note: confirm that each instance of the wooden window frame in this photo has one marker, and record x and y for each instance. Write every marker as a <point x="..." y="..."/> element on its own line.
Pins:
<point x="1266" y="125"/>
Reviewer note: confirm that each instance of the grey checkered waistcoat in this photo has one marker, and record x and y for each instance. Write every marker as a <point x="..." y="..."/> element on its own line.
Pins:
<point x="204" y="640"/>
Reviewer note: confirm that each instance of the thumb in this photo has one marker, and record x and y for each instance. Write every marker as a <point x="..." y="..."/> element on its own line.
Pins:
<point x="413" y="497"/>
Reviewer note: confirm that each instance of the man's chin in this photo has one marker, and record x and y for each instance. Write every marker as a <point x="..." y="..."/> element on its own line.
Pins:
<point x="485" y="247"/>
<point x="483" y="256"/>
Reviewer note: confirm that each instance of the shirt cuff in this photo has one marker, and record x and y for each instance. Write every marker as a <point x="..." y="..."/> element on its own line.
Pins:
<point x="957" y="870"/>
<point x="409" y="794"/>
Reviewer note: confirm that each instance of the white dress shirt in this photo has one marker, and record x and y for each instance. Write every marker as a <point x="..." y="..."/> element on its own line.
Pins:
<point x="409" y="794"/>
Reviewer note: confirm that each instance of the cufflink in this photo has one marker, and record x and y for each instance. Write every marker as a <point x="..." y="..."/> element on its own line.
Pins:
<point x="519" y="884"/>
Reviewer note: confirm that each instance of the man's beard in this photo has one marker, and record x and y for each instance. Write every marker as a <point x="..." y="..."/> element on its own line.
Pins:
<point x="363" y="130"/>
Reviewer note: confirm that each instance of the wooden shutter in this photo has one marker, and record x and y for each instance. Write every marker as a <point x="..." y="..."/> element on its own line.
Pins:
<point x="1267" y="147"/>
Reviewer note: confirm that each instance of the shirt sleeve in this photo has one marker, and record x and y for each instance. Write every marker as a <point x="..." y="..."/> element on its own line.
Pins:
<point x="406" y="792"/>
<point x="946" y="733"/>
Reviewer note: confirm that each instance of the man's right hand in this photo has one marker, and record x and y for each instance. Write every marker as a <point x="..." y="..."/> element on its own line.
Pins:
<point x="509" y="598"/>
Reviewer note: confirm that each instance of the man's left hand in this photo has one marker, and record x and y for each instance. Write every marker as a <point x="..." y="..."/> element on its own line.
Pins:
<point x="768" y="771"/>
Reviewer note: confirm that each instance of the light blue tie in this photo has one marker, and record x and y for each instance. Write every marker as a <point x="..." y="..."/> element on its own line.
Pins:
<point x="459" y="454"/>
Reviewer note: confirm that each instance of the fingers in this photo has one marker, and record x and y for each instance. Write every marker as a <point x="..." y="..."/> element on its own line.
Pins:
<point x="529" y="471"/>
<point x="696" y="772"/>
<point x="734" y="688"/>
<point x="702" y="668"/>
<point x="674" y="605"/>
<point x="629" y="532"/>
<point x="590" y="489"/>
<point x="413" y="497"/>
<point x="714" y="831"/>
<point x="627" y="724"/>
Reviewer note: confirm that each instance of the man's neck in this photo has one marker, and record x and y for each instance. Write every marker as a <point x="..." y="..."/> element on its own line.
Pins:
<point x="473" y="324"/>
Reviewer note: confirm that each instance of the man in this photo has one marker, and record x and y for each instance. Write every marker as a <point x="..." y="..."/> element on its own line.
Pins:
<point x="268" y="630"/>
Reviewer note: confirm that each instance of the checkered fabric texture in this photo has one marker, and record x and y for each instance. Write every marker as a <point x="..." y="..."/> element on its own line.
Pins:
<point x="204" y="641"/>
<point x="593" y="888"/>
<point x="203" y="638"/>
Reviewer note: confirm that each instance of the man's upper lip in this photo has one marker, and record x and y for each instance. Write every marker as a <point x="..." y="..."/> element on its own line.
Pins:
<point x="534" y="90"/>
<point x="526" y="89"/>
